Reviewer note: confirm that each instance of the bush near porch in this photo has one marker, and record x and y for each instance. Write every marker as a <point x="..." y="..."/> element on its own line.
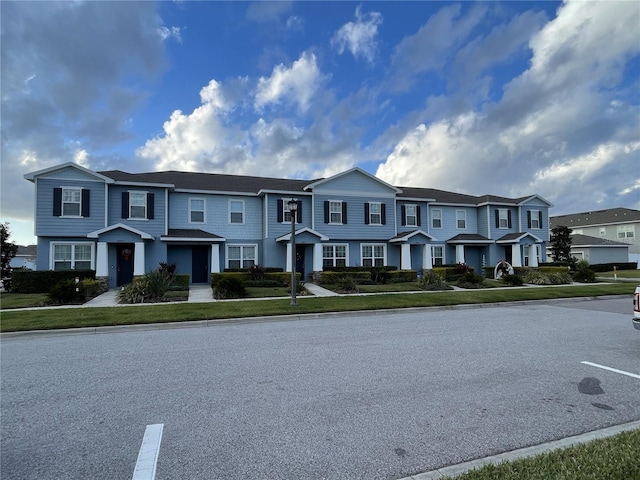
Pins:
<point x="41" y="281"/>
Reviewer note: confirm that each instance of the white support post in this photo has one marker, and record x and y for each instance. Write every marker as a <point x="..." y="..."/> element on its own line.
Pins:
<point x="405" y="256"/>
<point x="289" y="267"/>
<point x="317" y="257"/>
<point x="102" y="260"/>
<point x="215" y="258"/>
<point x="516" y="257"/>
<point x="427" y="262"/>
<point x="138" y="259"/>
<point x="460" y="254"/>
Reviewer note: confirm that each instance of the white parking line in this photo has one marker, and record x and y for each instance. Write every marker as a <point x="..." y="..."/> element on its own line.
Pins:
<point x="622" y="372"/>
<point x="148" y="455"/>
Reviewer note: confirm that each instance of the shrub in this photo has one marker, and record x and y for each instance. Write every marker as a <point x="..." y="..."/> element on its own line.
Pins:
<point x="257" y="272"/>
<point x="180" y="282"/>
<point x="470" y="279"/>
<point x="67" y="291"/>
<point x="265" y="283"/>
<point x="537" y="277"/>
<point x="512" y="280"/>
<point x="432" y="280"/>
<point x="401" y="276"/>
<point x="40" y="281"/>
<point x="346" y="284"/>
<point x="461" y="269"/>
<point x="134" y="292"/>
<point x="584" y="273"/>
<point x="229" y="287"/>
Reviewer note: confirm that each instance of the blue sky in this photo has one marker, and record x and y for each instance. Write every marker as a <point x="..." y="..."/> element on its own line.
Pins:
<point x="507" y="98"/>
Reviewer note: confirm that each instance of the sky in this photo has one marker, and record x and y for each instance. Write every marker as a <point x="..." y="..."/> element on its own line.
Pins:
<point x="502" y="98"/>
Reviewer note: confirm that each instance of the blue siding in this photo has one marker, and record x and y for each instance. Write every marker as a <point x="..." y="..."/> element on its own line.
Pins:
<point x="354" y="183"/>
<point x="155" y="227"/>
<point x="277" y="229"/>
<point x="449" y="225"/>
<point x="49" y="225"/>
<point x="70" y="173"/>
<point x="424" y="210"/>
<point x="495" y="232"/>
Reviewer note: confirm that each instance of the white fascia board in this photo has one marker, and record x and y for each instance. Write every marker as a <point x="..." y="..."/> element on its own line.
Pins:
<point x="288" y="193"/>
<point x="145" y="184"/>
<point x="347" y="172"/>
<point x="538" y="197"/>
<point x="97" y="233"/>
<point x="415" y="199"/>
<point x="31" y="176"/>
<point x="215" y="192"/>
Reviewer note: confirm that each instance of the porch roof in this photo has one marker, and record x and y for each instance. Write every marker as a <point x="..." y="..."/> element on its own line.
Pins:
<point x="287" y="237"/>
<point x="190" y="235"/>
<point x="469" y="239"/>
<point x="405" y="236"/>
<point x="517" y="237"/>
<point x="110" y="228"/>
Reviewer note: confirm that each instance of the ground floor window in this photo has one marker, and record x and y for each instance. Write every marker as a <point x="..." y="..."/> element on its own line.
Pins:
<point x="437" y="255"/>
<point x="373" y="255"/>
<point x="72" y="256"/>
<point x="334" y="255"/>
<point x="242" y="256"/>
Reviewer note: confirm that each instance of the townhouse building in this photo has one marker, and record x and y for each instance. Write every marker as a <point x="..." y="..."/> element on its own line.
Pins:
<point x="124" y="224"/>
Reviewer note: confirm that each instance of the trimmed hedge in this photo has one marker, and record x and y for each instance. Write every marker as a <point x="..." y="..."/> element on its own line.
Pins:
<point x="180" y="282"/>
<point x="358" y="276"/>
<point x="608" y="267"/>
<point x="284" y="278"/>
<point x="387" y="268"/>
<point x="41" y="281"/>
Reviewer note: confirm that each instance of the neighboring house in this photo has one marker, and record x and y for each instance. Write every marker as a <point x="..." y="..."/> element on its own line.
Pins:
<point x="124" y="224"/>
<point x="25" y="257"/>
<point x="616" y="224"/>
<point x="598" y="250"/>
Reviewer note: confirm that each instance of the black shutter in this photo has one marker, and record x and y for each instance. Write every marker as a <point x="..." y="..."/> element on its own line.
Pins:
<point x="383" y="213"/>
<point x="403" y="215"/>
<point x="125" y="205"/>
<point x="344" y="212"/>
<point x="528" y="218"/>
<point x="150" y="206"/>
<point x="86" y="200"/>
<point x="497" y="218"/>
<point x="366" y="213"/>
<point x="299" y="212"/>
<point x="280" y="210"/>
<point x="540" y="217"/>
<point x="57" y="202"/>
<point x="418" y="221"/>
<point x="509" y="218"/>
<point x="326" y="211"/>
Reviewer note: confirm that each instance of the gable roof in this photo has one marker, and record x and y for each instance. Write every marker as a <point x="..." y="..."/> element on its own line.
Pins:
<point x="595" y="218"/>
<point x="32" y="176"/>
<point x="579" y="240"/>
<point x="347" y="172"/>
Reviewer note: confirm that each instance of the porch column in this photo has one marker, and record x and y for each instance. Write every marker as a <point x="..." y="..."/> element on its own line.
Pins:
<point x="533" y="255"/>
<point x="516" y="257"/>
<point x="138" y="259"/>
<point x="405" y="256"/>
<point x="460" y="254"/>
<point x="317" y="257"/>
<point x="427" y="261"/>
<point x="215" y="258"/>
<point x="289" y="268"/>
<point x="102" y="260"/>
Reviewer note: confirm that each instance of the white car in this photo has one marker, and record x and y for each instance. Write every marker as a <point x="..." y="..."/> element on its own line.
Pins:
<point x="636" y="308"/>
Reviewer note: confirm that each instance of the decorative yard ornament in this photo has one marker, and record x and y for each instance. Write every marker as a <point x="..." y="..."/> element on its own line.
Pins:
<point x="502" y="268"/>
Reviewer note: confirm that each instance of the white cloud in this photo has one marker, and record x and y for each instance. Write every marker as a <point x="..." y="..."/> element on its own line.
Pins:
<point x="359" y="37"/>
<point x="173" y="32"/>
<point x="296" y="85"/>
<point x="559" y="129"/>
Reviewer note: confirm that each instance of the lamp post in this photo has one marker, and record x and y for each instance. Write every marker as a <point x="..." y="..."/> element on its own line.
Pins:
<point x="293" y="208"/>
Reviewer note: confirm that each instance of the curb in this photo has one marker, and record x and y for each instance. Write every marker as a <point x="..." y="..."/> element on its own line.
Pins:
<point x="459" y="469"/>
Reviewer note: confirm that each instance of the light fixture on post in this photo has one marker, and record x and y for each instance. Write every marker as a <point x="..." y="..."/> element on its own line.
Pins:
<point x="293" y="208"/>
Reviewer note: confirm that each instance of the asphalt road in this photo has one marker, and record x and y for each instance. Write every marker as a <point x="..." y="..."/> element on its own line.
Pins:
<point x="358" y="397"/>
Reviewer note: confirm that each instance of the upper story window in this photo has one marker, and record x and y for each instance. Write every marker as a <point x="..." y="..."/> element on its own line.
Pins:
<point x="373" y="255"/>
<point x="196" y="210"/>
<point x="236" y="211"/>
<point x="626" y="231"/>
<point x="436" y="218"/>
<point x="284" y="213"/>
<point x="335" y="211"/>
<point x="410" y="215"/>
<point x="72" y="256"/>
<point x="71" y="202"/>
<point x="461" y="219"/>
<point x="603" y="231"/>
<point x="138" y="205"/>
<point x="534" y="219"/>
<point x="503" y="218"/>
<point x="374" y="213"/>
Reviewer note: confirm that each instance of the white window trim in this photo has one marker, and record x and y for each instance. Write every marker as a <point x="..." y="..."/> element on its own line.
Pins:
<point x="415" y="215"/>
<point x="625" y="230"/>
<point x="146" y="206"/>
<point x="371" y="214"/>
<point x="464" y="212"/>
<point x="73" y="244"/>
<point x="285" y="211"/>
<point x="433" y="217"/>
<point x="334" y="245"/>
<point x="433" y="257"/>
<point x="242" y="247"/>
<point x="603" y="231"/>
<point x="373" y="257"/>
<point x="505" y="211"/>
<point x="204" y="210"/>
<point x="535" y="217"/>
<point x="341" y="222"/>
<point x="243" y="212"/>
<point x="62" y="202"/>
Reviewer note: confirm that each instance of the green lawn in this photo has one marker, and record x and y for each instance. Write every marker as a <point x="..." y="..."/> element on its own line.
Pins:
<point x="620" y="274"/>
<point x="613" y="458"/>
<point x="168" y="312"/>
<point x="22" y="300"/>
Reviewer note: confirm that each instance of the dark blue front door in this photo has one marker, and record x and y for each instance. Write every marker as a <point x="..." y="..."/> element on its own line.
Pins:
<point x="124" y="264"/>
<point x="200" y="264"/>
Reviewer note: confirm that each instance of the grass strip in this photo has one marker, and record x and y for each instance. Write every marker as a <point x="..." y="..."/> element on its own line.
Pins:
<point x="613" y="458"/>
<point x="43" y="319"/>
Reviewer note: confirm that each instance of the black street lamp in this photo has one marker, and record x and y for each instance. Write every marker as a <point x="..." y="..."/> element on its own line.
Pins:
<point x="293" y="208"/>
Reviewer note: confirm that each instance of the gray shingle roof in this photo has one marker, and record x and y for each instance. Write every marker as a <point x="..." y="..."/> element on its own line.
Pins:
<point x="191" y="233"/>
<point x="586" y="240"/>
<point x="598" y="217"/>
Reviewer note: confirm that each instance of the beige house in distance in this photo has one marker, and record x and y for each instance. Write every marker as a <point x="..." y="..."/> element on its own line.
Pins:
<point x="614" y="225"/>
